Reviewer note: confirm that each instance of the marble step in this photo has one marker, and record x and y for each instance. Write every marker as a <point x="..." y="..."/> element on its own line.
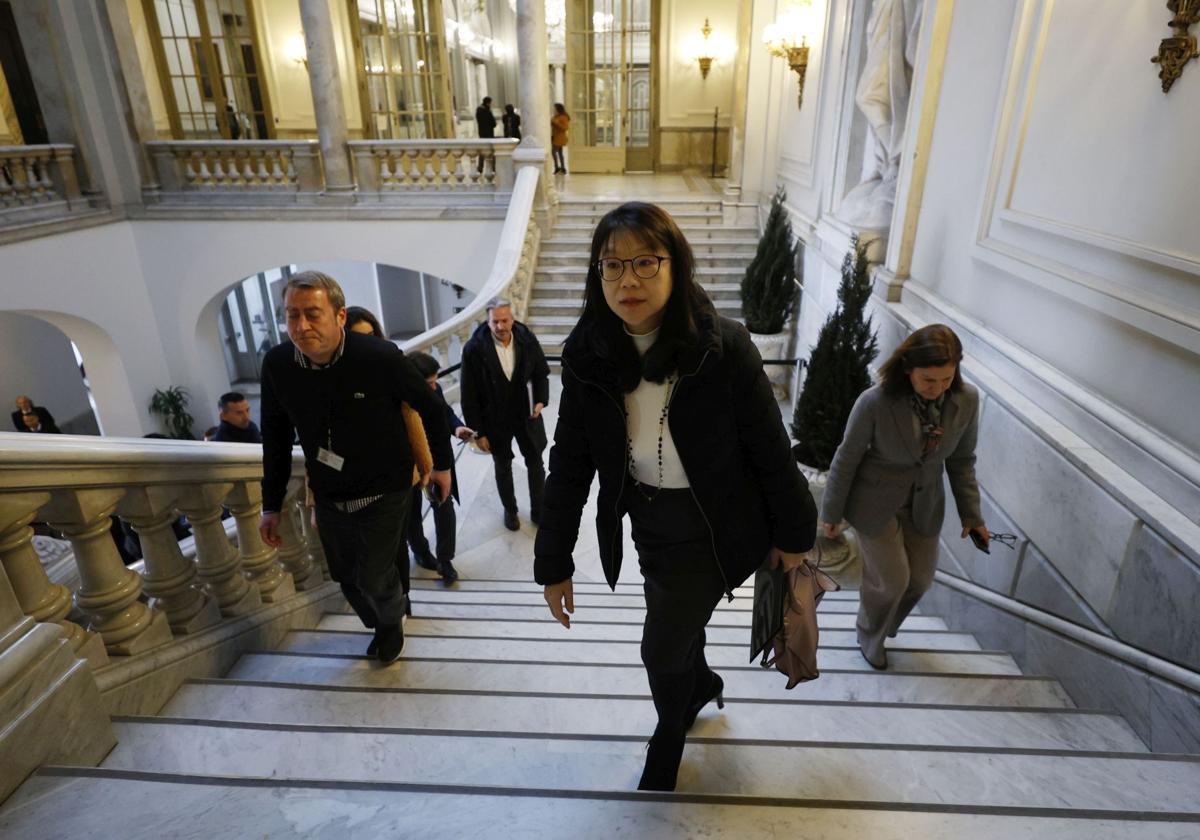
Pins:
<point x="575" y="228"/>
<point x="548" y="714"/>
<point x="562" y="651"/>
<point x="826" y="619"/>
<point x="727" y="257"/>
<point x="527" y="585"/>
<point x="632" y="600"/>
<point x="559" y="312"/>
<point x="586" y="631"/>
<point x="236" y="807"/>
<point x="602" y="204"/>
<point x="723" y="246"/>
<point x="745" y="683"/>
<point x="1119" y="782"/>
<point x="572" y="292"/>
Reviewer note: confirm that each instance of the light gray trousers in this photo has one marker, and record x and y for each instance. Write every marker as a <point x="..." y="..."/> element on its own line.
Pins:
<point x="898" y="567"/>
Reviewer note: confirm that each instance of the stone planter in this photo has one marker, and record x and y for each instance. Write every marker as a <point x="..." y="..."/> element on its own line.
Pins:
<point x="775" y="346"/>
<point x="840" y="556"/>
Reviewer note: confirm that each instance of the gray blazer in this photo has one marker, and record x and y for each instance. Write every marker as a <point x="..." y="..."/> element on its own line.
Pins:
<point x="879" y="461"/>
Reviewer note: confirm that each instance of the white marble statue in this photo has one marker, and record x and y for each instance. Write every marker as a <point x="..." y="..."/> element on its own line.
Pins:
<point x="882" y="96"/>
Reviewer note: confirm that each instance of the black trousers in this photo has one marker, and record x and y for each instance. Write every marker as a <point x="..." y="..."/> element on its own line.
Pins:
<point x="444" y="523"/>
<point x="362" y="548"/>
<point x="683" y="586"/>
<point x="502" y="458"/>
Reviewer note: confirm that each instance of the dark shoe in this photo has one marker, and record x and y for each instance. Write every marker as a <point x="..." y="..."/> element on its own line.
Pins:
<point x="373" y="648"/>
<point x="391" y="642"/>
<point x="879" y="664"/>
<point x="407" y="605"/>
<point x="510" y="520"/>
<point x="447" y="571"/>
<point x="662" y="762"/>
<point x="716" y="691"/>
<point x="427" y="561"/>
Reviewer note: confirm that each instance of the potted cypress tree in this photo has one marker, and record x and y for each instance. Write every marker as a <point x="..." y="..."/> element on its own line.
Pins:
<point x="839" y="368"/>
<point x="770" y="292"/>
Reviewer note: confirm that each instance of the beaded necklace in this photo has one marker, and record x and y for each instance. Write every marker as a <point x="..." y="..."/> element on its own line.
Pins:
<point x="662" y="425"/>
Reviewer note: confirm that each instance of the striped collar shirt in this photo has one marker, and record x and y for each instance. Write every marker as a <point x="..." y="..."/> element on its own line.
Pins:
<point x="309" y="364"/>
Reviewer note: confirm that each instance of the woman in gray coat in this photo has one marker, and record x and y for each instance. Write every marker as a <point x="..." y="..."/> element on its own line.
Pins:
<point x="886" y="478"/>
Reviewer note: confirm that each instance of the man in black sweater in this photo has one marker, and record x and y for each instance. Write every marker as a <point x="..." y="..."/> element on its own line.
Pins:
<point x="341" y="392"/>
<point x="236" y="425"/>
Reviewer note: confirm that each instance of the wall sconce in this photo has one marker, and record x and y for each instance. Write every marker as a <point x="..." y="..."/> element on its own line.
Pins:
<point x="705" y="58"/>
<point x="1175" y="52"/>
<point x="296" y="50"/>
<point x="788" y="39"/>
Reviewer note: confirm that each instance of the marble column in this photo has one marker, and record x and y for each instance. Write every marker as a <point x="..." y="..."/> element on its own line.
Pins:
<point x="259" y="560"/>
<point x="320" y="43"/>
<point x="50" y="707"/>
<point x="294" y="553"/>
<point x="218" y="563"/>
<point x="39" y="599"/>
<point x="734" y="174"/>
<point x="136" y="94"/>
<point x="170" y="578"/>
<point x="534" y="79"/>
<point x="109" y="593"/>
<point x="560" y="88"/>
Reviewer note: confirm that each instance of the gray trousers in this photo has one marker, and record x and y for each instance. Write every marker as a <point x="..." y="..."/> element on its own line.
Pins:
<point x="898" y="567"/>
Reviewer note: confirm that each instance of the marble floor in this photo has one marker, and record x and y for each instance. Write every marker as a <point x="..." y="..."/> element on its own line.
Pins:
<point x="498" y="722"/>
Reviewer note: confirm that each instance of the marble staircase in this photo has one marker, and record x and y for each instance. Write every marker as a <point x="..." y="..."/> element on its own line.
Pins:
<point x="722" y="253"/>
<point x="498" y="722"/>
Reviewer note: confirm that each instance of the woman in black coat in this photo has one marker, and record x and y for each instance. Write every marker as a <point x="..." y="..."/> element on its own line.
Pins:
<point x="668" y="402"/>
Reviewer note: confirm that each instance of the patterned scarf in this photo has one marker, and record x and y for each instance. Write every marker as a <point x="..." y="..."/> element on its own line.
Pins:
<point x="929" y="415"/>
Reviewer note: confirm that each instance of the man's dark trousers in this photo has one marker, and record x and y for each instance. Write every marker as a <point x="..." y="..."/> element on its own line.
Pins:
<point x="361" y="549"/>
<point x="502" y="458"/>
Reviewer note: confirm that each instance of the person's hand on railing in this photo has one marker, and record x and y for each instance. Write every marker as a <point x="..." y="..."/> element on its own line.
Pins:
<point x="268" y="529"/>
<point x="463" y="433"/>
<point x="561" y="599"/>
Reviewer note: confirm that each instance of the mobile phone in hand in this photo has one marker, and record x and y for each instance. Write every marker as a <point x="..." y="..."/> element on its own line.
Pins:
<point x="979" y="541"/>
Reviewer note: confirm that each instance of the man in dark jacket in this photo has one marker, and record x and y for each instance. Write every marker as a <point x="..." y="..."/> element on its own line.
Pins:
<point x="485" y="121"/>
<point x="505" y="386"/>
<point x="236" y="425"/>
<point x="342" y="393"/>
<point x="45" y="420"/>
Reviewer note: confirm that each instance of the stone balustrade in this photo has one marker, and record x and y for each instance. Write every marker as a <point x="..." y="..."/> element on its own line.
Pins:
<point x="76" y="484"/>
<point x="38" y="182"/>
<point x="240" y="171"/>
<point x="413" y="167"/>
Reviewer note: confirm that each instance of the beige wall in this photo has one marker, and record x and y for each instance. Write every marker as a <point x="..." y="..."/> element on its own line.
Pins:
<point x="685" y="100"/>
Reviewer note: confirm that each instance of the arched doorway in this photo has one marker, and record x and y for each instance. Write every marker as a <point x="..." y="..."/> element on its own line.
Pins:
<point x="43" y="363"/>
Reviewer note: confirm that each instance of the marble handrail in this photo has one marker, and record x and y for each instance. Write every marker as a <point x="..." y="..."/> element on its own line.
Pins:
<point x="512" y="270"/>
<point x="384" y="167"/>
<point x="40" y="178"/>
<point x="233" y="167"/>
<point x="76" y="484"/>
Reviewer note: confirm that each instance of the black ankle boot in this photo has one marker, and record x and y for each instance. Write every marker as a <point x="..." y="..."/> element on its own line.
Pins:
<point x="716" y="691"/>
<point x="662" y="762"/>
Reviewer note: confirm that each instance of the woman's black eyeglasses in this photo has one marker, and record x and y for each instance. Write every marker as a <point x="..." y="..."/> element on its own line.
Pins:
<point x="1009" y="540"/>
<point x="646" y="266"/>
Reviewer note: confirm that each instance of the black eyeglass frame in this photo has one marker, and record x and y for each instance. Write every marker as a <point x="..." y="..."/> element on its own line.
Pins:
<point x="657" y="268"/>
<point x="1007" y="540"/>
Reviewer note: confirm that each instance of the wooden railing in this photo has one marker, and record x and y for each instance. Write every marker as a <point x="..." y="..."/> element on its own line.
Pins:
<point x="38" y="182"/>
<point x="275" y="170"/>
<point x="77" y="484"/>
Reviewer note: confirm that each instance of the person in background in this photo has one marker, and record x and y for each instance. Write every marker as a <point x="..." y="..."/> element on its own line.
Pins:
<point x="236" y="425"/>
<point x="444" y="519"/>
<point x="512" y="122"/>
<point x="559" y="125"/>
<point x="45" y="420"/>
<point x="667" y="402"/>
<point x="505" y="386"/>
<point x="361" y="320"/>
<point x="485" y="122"/>
<point x="919" y="423"/>
<point x="343" y="392"/>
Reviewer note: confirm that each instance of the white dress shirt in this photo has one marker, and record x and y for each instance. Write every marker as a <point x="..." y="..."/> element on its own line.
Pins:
<point x="643" y="409"/>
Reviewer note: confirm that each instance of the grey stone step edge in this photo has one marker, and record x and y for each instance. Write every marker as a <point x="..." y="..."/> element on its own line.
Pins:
<point x="619" y="795"/>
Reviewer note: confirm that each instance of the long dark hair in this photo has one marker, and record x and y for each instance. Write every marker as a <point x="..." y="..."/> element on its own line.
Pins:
<point x="935" y="345"/>
<point x="357" y="314"/>
<point x="679" y="332"/>
<point x="559" y="108"/>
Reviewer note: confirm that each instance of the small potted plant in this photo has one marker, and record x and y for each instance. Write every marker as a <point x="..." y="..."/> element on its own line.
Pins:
<point x="171" y="405"/>
<point x="770" y="292"/>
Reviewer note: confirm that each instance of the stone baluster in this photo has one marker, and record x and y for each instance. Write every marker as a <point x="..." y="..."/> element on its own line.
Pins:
<point x="39" y="598"/>
<point x="294" y="553"/>
<point x="259" y="560"/>
<point x="313" y="539"/>
<point x="366" y="168"/>
<point x="108" y="592"/>
<point x="304" y="168"/>
<point x="218" y="563"/>
<point x="170" y="578"/>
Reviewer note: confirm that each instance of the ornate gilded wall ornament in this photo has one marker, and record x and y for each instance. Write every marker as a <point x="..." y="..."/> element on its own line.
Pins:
<point x="1177" y="51"/>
